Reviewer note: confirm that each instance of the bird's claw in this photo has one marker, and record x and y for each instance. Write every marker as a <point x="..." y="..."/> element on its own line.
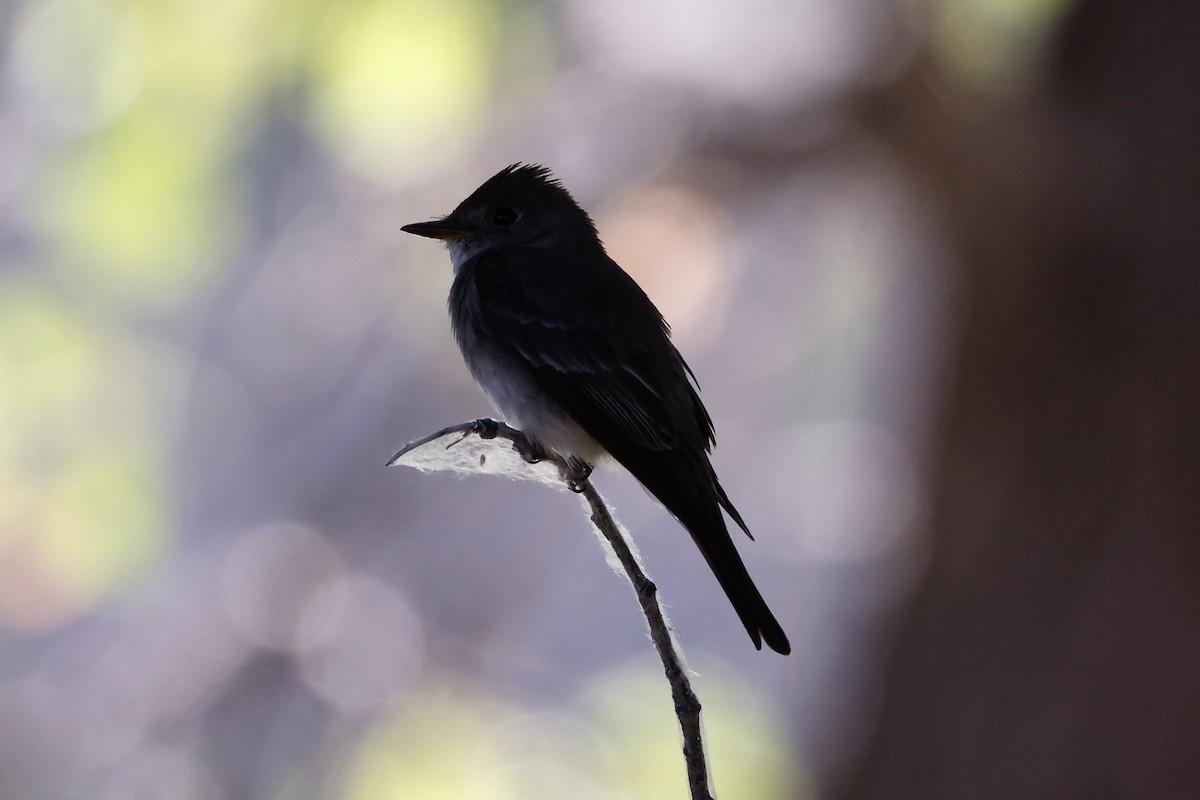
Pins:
<point x="529" y="450"/>
<point x="485" y="428"/>
<point x="578" y="471"/>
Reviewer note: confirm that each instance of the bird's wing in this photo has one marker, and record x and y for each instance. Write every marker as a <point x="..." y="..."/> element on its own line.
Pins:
<point x="609" y="363"/>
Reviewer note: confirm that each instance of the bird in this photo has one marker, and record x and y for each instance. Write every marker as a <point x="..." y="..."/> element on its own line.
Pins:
<point x="572" y="352"/>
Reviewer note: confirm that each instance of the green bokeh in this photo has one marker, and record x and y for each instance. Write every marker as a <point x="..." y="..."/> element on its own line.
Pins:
<point x="137" y="213"/>
<point x="438" y="747"/>
<point x="748" y="754"/>
<point x="620" y="739"/>
<point x="401" y="88"/>
<point x="82" y="500"/>
<point x="990" y="44"/>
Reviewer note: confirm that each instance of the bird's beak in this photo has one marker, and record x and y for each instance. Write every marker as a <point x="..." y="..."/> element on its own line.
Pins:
<point x="438" y="229"/>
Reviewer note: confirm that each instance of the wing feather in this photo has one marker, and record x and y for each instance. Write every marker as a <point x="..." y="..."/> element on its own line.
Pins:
<point x="612" y="368"/>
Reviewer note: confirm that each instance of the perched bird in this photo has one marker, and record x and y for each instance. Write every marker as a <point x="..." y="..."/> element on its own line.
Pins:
<point x="573" y="353"/>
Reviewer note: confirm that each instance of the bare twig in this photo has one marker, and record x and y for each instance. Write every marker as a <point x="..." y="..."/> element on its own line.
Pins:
<point x="575" y="477"/>
<point x="687" y="706"/>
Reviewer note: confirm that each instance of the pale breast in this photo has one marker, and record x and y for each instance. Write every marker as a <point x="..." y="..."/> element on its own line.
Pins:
<point x="511" y="387"/>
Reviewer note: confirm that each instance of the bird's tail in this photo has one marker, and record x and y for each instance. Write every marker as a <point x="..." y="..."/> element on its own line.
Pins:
<point x="695" y="497"/>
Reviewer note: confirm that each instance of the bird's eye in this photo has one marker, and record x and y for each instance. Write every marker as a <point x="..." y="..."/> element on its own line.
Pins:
<point x="504" y="216"/>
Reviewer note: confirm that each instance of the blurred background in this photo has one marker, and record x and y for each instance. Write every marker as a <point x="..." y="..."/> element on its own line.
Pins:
<point x="934" y="264"/>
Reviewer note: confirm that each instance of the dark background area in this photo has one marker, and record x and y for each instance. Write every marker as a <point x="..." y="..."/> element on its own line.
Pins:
<point x="1051" y="650"/>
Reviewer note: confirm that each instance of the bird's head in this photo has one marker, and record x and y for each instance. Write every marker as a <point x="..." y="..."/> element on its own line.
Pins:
<point x="521" y="206"/>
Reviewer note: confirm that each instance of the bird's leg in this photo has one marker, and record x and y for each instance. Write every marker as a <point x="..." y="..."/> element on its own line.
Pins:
<point x="485" y="428"/>
<point x="578" y="471"/>
<point x="529" y="450"/>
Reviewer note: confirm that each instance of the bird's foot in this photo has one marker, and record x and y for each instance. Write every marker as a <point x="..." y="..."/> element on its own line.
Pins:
<point x="578" y="471"/>
<point x="529" y="450"/>
<point x="485" y="428"/>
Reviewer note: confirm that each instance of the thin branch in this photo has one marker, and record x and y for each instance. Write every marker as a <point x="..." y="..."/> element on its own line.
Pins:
<point x="687" y="706"/>
<point x="575" y="478"/>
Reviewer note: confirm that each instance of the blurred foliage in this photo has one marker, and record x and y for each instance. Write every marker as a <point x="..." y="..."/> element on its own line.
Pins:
<point x="82" y="503"/>
<point x="135" y="213"/>
<point x="621" y="740"/>
<point x="439" y="747"/>
<point x="399" y="88"/>
<point x="741" y="737"/>
<point x="989" y="44"/>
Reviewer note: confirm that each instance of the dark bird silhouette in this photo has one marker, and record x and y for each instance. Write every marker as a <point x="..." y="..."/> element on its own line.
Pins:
<point x="572" y="351"/>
